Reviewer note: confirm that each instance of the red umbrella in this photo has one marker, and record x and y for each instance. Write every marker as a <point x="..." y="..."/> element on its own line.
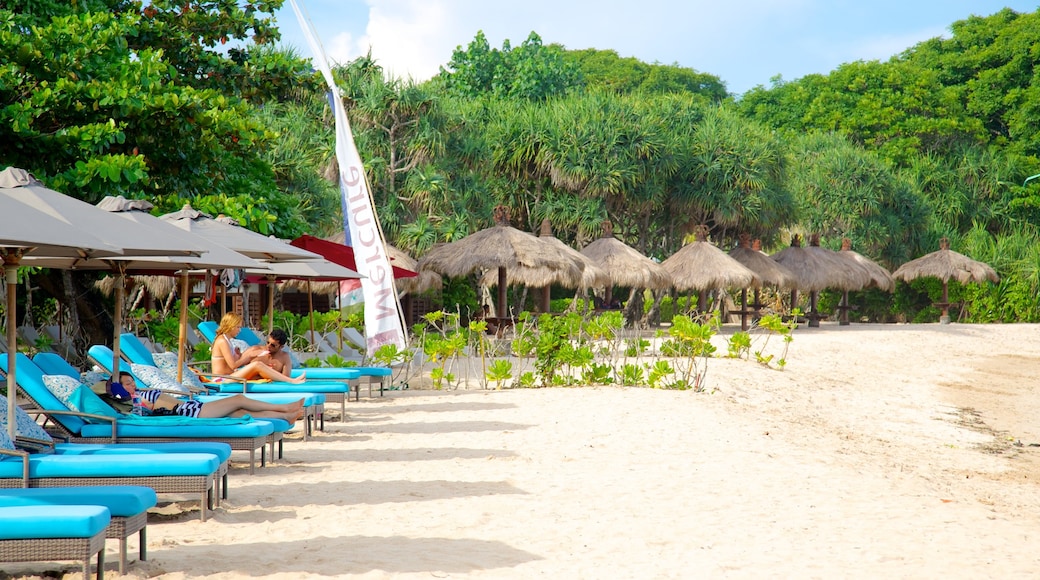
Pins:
<point x="340" y="254"/>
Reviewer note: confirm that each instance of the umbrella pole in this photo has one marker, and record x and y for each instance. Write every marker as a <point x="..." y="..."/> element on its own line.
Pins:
<point x="844" y="320"/>
<point x="501" y="294"/>
<point x="223" y="300"/>
<point x="270" y="303"/>
<point x="182" y="334"/>
<point x="814" y="318"/>
<point x="117" y="321"/>
<point x="11" y="275"/>
<point x="743" y="310"/>
<point x="546" y="299"/>
<point x="945" y="318"/>
<point x="310" y="309"/>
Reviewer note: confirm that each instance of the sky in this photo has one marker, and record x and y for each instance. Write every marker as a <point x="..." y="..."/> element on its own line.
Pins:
<point x="743" y="42"/>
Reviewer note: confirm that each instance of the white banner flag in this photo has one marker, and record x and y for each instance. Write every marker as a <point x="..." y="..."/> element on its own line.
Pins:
<point x="383" y="324"/>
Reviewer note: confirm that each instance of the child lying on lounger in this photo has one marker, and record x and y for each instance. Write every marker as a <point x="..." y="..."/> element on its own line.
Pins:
<point x="233" y="406"/>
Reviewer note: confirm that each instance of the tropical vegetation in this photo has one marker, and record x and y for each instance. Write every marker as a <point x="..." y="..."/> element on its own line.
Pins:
<point x="196" y="102"/>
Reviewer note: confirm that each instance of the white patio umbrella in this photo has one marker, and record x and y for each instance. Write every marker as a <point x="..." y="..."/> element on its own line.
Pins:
<point x="226" y="232"/>
<point x="42" y="222"/>
<point x="307" y="270"/>
<point x="136" y="213"/>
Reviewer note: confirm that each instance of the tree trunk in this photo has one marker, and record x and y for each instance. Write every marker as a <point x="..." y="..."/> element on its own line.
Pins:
<point x="88" y="312"/>
<point x="634" y="308"/>
<point x="653" y="316"/>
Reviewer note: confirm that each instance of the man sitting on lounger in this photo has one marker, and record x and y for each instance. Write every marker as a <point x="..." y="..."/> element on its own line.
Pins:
<point x="251" y="363"/>
<point x="233" y="406"/>
<point x="273" y="353"/>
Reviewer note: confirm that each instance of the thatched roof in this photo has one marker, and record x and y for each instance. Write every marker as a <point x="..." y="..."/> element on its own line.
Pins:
<point x="768" y="270"/>
<point x="625" y="265"/>
<point x="502" y="246"/>
<point x="879" y="276"/>
<point x="158" y="286"/>
<point x="945" y="264"/>
<point x="592" y="276"/>
<point x="817" y="268"/>
<point x="700" y="265"/>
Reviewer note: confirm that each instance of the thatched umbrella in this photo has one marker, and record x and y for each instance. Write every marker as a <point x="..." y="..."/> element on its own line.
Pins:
<point x="945" y="264"/>
<point x="591" y="274"/>
<point x="817" y="269"/>
<point x="768" y="270"/>
<point x="625" y="265"/>
<point x="880" y="278"/>
<point x="701" y="266"/>
<point x="501" y="247"/>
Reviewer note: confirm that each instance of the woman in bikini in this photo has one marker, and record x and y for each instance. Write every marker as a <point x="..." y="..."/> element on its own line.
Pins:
<point x="250" y="364"/>
<point x="233" y="406"/>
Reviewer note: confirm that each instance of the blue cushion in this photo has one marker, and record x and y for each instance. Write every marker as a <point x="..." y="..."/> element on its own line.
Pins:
<point x="30" y="379"/>
<point x="189" y="428"/>
<point x="123" y="465"/>
<point x="135" y="350"/>
<point x="329" y="373"/>
<point x="53" y="521"/>
<point x="221" y="450"/>
<point x="121" y="500"/>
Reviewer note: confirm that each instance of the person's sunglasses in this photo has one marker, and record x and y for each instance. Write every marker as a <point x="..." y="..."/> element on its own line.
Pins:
<point x="273" y="344"/>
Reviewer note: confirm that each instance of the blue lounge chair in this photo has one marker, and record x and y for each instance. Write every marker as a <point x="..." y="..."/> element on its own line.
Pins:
<point x="34" y="437"/>
<point x="163" y="472"/>
<point x="128" y="506"/>
<point x="111" y="427"/>
<point x="350" y="375"/>
<point x="335" y="390"/>
<point x="135" y="352"/>
<point x="102" y="356"/>
<point x="41" y="533"/>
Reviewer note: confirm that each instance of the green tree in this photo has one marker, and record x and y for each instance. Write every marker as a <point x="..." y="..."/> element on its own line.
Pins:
<point x="531" y="71"/>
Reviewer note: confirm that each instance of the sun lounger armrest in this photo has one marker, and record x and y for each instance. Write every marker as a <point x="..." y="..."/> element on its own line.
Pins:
<point x="40" y="444"/>
<point x="25" y="463"/>
<point x="111" y="420"/>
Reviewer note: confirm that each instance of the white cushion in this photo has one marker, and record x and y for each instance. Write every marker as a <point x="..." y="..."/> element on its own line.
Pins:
<point x="167" y="363"/>
<point x="153" y="378"/>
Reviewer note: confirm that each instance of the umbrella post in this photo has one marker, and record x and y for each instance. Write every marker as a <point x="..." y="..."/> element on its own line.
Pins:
<point x="945" y="318"/>
<point x="501" y="293"/>
<point x="11" y="277"/>
<point x="702" y="301"/>
<point x="117" y="321"/>
<point x="546" y="299"/>
<point x="270" y="305"/>
<point x="310" y="308"/>
<point x="744" y="326"/>
<point x="182" y="334"/>
<point x="814" y="317"/>
<point x="844" y="307"/>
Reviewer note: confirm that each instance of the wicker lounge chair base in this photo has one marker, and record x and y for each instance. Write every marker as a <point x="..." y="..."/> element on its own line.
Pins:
<point x="128" y="507"/>
<point x="172" y="484"/>
<point x="48" y="549"/>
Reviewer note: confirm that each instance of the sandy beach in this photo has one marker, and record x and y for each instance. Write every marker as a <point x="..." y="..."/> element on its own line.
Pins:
<point x="895" y="451"/>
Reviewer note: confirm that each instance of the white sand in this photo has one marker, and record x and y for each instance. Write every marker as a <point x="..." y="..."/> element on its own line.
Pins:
<point x="881" y="451"/>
